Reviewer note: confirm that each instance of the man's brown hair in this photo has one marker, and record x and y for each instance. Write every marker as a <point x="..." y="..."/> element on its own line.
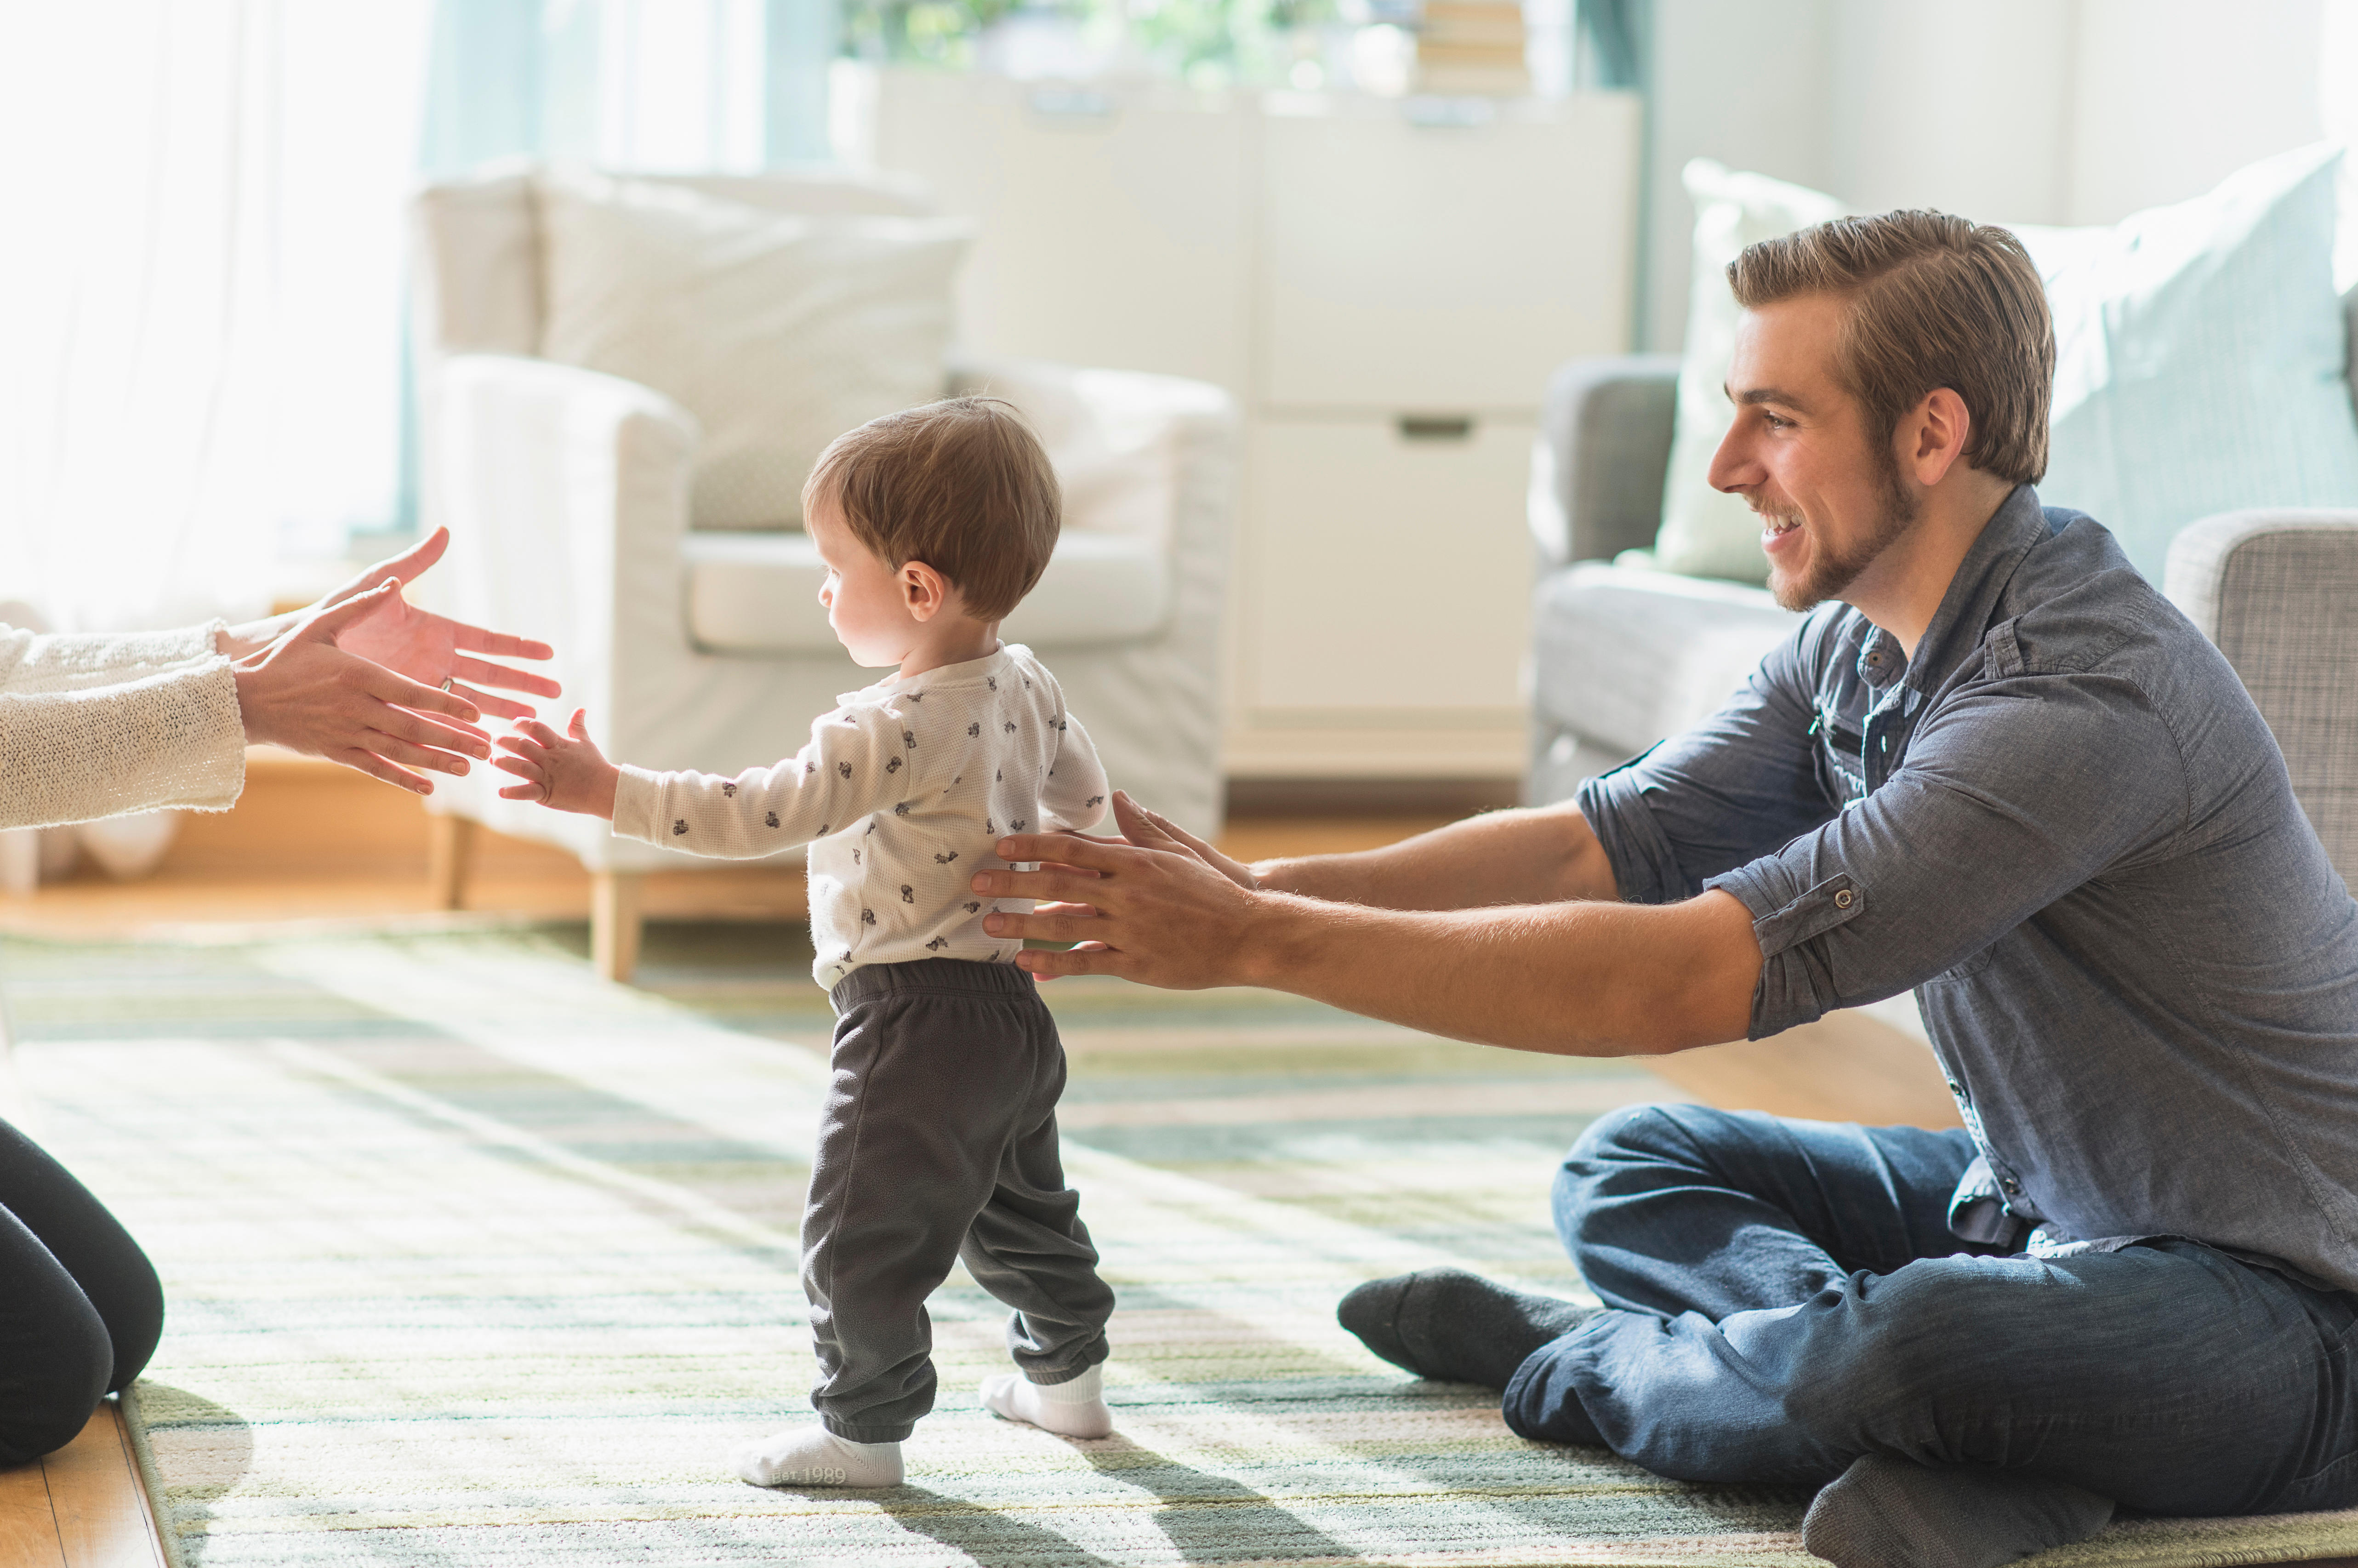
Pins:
<point x="962" y="485"/>
<point x="1933" y="301"/>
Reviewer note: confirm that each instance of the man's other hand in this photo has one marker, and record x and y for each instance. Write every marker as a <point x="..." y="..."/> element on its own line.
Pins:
<point x="1153" y="830"/>
<point x="1155" y="909"/>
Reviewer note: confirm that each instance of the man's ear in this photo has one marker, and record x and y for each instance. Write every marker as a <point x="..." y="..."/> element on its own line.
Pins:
<point x="1934" y="436"/>
<point x="924" y="591"/>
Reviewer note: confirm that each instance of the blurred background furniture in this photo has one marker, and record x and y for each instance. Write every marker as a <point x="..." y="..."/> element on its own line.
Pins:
<point x="2277" y="591"/>
<point x="1382" y="283"/>
<point x="568" y="495"/>
<point x="1621" y="655"/>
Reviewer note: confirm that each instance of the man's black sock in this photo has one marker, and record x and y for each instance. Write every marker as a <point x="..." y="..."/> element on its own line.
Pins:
<point x="1455" y="1327"/>
<point x="1887" y="1512"/>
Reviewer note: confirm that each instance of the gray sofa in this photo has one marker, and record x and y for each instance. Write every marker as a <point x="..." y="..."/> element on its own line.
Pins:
<point x="1623" y="656"/>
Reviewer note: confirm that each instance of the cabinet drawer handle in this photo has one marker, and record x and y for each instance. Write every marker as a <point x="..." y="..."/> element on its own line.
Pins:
<point x="1436" y="426"/>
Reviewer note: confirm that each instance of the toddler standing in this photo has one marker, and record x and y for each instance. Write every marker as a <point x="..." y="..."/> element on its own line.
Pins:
<point x="938" y="1140"/>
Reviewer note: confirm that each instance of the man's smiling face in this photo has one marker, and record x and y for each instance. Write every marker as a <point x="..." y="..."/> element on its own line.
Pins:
<point x="1828" y="490"/>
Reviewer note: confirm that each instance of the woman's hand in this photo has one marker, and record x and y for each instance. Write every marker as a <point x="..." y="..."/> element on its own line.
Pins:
<point x="408" y="641"/>
<point x="304" y="691"/>
<point x="564" y="772"/>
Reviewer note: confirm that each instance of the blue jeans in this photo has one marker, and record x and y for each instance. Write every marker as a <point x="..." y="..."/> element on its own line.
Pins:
<point x="1784" y="1296"/>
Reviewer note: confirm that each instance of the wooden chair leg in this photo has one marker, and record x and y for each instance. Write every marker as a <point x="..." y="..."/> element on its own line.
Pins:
<point x="449" y="846"/>
<point x="615" y="923"/>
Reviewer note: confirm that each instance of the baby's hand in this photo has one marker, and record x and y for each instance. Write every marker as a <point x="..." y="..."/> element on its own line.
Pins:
<point x="564" y="772"/>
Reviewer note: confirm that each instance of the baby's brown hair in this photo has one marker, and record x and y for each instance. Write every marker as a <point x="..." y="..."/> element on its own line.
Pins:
<point x="962" y="485"/>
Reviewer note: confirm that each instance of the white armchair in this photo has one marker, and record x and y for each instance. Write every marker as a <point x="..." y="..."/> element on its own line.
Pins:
<point x="566" y="494"/>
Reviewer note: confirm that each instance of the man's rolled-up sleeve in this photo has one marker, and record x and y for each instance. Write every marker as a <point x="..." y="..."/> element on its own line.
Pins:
<point x="2010" y="795"/>
<point x="1734" y="787"/>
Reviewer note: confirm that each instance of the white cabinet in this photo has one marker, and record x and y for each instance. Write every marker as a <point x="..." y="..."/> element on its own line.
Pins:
<point x="1384" y="285"/>
<point x="1111" y="233"/>
<point x="1392" y="594"/>
<point x="1406" y="265"/>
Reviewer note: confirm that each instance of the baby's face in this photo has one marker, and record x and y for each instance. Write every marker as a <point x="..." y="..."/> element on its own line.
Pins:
<point x="863" y="596"/>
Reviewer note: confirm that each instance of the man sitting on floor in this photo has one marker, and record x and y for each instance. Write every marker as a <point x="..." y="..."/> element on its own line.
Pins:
<point x="1995" y="766"/>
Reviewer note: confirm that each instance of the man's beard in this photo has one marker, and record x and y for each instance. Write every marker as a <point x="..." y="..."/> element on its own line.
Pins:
<point x="1828" y="574"/>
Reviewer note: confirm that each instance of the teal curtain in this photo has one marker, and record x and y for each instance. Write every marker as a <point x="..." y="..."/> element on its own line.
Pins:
<point x="805" y="37"/>
<point x="532" y="77"/>
<point x="1613" y="35"/>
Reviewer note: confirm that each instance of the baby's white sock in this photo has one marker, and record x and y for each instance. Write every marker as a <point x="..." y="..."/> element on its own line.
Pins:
<point x="814" y="1456"/>
<point x="1075" y="1408"/>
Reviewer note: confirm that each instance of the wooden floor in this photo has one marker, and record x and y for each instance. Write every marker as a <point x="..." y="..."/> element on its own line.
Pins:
<point x="82" y="1507"/>
<point x="310" y="843"/>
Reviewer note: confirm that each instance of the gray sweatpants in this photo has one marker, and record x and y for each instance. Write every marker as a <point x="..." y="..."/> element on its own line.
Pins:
<point x="939" y="1141"/>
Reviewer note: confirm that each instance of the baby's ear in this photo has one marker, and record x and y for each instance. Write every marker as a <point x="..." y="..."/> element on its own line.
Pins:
<point x="925" y="591"/>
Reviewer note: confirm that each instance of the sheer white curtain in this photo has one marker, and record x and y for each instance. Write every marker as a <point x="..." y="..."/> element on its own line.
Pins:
<point x="200" y="296"/>
<point x="676" y="85"/>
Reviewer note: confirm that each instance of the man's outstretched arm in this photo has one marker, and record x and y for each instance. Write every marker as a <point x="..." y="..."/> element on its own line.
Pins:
<point x="1540" y="855"/>
<point x="1588" y="978"/>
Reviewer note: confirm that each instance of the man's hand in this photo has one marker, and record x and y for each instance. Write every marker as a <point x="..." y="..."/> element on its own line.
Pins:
<point x="1154" y="830"/>
<point x="1153" y="910"/>
<point x="416" y="643"/>
<point x="1567" y="972"/>
<point x="305" y="692"/>
<point x="564" y="772"/>
<point x="1141" y="826"/>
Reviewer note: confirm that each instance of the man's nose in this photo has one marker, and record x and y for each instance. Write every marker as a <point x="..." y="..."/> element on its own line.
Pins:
<point x="1733" y="468"/>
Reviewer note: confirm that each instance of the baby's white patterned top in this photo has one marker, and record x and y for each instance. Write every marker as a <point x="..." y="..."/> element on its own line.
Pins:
<point x="902" y="794"/>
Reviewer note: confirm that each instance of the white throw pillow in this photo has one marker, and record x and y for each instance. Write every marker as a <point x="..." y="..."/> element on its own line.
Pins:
<point x="1703" y="532"/>
<point x="778" y="332"/>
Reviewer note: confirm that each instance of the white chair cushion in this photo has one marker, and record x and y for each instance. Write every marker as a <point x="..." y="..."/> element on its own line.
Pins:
<point x="758" y="593"/>
<point x="778" y="331"/>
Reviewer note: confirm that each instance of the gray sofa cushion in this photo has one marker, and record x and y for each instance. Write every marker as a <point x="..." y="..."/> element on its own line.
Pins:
<point x="2277" y="591"/>
<point x="1623" y="656"/>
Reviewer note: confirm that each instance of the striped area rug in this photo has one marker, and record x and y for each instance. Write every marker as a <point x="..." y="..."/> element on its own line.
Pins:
<point x="474" y="1261"/>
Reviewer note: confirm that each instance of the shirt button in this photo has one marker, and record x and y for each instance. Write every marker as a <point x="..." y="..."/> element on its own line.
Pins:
<point x="1843" y="899"/>
<point x="2011" y="1186"/>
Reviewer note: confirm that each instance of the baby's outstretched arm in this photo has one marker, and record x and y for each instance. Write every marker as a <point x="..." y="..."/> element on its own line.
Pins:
<point x="565" y="773"/>
<point x="854" y="766"/>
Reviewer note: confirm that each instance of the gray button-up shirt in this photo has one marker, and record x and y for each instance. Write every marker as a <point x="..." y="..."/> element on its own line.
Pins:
<point x="2065" y="825"/>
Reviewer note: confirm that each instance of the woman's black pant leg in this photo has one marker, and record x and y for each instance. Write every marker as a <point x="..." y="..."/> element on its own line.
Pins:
<point x="82" y="1308"/>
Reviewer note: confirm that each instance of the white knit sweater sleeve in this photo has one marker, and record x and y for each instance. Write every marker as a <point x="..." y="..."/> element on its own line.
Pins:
<point x="846" y="772"/>
<point x="96" y="725"/>
<point x="1074" y="792"/>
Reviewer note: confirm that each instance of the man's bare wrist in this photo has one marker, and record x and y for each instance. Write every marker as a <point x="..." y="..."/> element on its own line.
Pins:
<point x="1270" y="945"/>
<point x="1275" y="876"/>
